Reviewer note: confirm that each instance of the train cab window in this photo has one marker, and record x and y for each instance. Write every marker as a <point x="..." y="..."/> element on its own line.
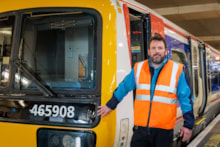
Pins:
<point x="6" y="31"/>
<point x="59" y="50"/>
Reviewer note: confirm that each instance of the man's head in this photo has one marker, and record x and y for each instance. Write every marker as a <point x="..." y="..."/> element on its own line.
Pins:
<point x="157" y="50"/>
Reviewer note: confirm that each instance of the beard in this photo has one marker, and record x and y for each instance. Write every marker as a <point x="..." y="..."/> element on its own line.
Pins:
<point x="157" y="58"/>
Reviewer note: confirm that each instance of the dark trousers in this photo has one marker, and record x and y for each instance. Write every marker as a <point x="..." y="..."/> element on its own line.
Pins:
<point x="151" y="137"/>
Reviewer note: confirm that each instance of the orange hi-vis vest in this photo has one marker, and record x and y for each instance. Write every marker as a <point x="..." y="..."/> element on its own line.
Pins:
<point x="163" y="107"/>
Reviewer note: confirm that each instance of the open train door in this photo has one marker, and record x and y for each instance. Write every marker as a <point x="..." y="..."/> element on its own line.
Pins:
<point x="142" y="27"/>
<point x="198" y="76"/>
<point x="140" y="35"/>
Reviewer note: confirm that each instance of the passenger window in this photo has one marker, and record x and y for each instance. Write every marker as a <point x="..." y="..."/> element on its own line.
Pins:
<point x="215" y="77"/>
<point x="180" y="57"/>
<point x="215" y="70"/>
<point x="6" y="31"/>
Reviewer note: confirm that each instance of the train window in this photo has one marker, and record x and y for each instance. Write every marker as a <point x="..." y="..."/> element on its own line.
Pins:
<point x="208" y="56"/>
<point x="215" y="77"/>
<point x="6" y="31"/>
<point x="196" y="67"/>
<point x="179" y="56"/>
<point x="59" y="50"/>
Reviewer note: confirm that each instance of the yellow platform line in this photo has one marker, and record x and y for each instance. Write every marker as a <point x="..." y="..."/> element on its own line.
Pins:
<point x="201" y="120"/>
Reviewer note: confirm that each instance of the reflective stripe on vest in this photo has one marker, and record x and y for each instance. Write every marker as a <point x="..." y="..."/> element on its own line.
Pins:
<point x="157" y="99"/>
<point x="138" y="71"/>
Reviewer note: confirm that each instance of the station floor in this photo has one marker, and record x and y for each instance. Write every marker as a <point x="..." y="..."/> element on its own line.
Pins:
<point x="209" y="137"/>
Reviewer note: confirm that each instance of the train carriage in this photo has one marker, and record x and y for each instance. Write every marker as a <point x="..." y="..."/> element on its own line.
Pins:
<point x="60" y="60"/>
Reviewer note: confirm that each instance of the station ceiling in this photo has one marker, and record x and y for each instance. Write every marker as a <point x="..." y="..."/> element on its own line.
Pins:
<point x="199" y="17"/>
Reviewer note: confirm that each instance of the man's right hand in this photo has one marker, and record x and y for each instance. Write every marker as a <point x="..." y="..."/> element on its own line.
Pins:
<point x="103" y="111"/>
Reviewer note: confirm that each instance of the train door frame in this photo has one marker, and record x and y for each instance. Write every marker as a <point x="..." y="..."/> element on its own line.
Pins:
<point x="208" y="73"/>
<point x="196" y="79"/>
<point x="202" y="54"/>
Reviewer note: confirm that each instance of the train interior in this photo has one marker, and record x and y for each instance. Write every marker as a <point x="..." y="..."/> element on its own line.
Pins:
<point x="60" y="49"/>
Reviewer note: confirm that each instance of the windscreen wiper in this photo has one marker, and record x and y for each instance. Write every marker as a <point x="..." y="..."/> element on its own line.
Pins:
<point x="41" y="85"/>
<point x="23" y="67"/>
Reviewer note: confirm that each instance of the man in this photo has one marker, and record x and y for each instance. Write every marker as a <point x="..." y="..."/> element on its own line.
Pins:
<point x="159" y="82"/>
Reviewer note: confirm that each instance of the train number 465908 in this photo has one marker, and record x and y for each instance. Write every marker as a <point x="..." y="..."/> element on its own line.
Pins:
<point x="53" y="111"/>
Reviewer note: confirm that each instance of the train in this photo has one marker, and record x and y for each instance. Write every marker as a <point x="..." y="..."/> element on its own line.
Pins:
<point x="60" y="60"/>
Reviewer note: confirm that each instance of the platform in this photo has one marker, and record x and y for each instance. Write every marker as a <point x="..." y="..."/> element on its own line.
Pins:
<point x="209" y="137"/>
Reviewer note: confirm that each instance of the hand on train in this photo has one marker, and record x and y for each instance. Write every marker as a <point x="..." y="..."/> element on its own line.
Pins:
<point x="186" y="133"/>
<point x="103" y="110"/>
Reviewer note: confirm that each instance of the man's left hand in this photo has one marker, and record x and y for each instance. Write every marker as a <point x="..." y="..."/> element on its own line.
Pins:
<point x="186" y="133"/>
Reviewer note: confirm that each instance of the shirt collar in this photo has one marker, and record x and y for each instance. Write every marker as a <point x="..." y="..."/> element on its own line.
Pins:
<point x="164" y="62"/>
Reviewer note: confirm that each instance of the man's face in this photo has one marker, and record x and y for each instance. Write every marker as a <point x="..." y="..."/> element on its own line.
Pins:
<point x="157" y="52"/>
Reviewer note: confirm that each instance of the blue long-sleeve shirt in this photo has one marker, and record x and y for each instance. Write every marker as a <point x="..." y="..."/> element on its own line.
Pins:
<point x="183" y="92"/>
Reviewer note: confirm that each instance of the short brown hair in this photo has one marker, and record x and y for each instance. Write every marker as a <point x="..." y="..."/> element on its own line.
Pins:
<point x="157" y="37"/>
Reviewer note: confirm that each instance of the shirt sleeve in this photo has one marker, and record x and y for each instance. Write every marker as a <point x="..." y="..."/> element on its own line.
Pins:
<point x="186" y="101"/>
<point x="124" y="87"/>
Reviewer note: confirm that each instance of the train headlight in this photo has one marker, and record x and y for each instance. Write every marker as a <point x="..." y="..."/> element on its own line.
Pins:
<point x="54" y="140"/>
<point x="65" y="138"/>
<point x="68" y="141"/>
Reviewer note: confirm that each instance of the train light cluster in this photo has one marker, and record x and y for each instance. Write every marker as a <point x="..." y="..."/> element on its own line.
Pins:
<point x="65" y="138"/>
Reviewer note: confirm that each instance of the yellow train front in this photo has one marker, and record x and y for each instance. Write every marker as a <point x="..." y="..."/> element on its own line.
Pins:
<point x="58" y="64"/>
<point x="60" y="60"/>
